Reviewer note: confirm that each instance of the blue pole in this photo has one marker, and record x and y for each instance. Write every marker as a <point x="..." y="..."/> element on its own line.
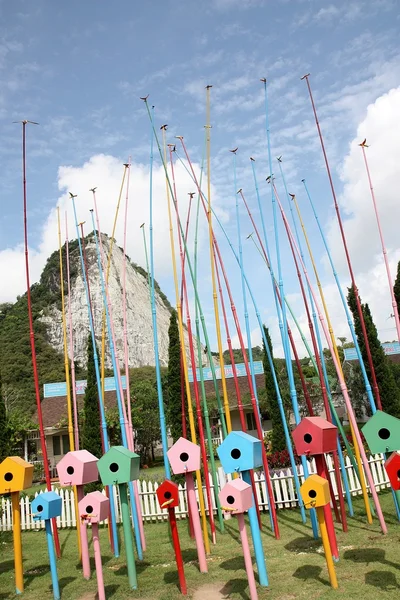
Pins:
<point x="163" y="427"/>
<point x="351" y="326"/>
<point x="53" y="562"/>
<point x="246" y="319"/>
<point x="118" y="392"/>
<point x="106" y="443"/>
<point x="320" y="349"/>
<point x="282" y="314"/>
<point x="271" y="364"/>
<point x="256" y="536"/>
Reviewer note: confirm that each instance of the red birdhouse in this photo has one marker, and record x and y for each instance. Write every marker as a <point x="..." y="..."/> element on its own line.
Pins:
<point x="392" y="466"/>
<point x="168" y="494"/>
<point x="314" y="435"/>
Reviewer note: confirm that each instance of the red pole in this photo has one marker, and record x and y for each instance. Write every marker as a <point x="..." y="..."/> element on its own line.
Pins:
<point x="323" y="389"/>
<point x="32" y="341"/>
<point x="177" y="550"/>
<point x="353" y="281"/>
<point x="322" y="472"/>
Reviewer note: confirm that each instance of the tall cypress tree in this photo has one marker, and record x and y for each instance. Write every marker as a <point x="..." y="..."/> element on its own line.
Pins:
<point x="396" y="287"/>
<point x="278" y="435"/>
<point x="174" y="382"/>
<point x="4" y="429"/>
<point x="388" y="390"/>
<point x="91" y="440"/>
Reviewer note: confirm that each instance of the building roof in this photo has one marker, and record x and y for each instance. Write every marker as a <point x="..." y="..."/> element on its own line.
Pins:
<point x="54" y="410"/>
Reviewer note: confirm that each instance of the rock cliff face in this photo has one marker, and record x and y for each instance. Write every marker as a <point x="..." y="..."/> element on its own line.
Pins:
<point x="139" y="315"/>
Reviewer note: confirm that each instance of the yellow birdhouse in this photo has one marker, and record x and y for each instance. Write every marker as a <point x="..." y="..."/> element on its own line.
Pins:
<point x="315" y="492"/>
<point x="15" y="475"/>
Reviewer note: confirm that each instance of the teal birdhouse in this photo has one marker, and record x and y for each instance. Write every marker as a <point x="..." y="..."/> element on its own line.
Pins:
<point x="382" y="433"/>
<point x="118" y="465"/>
<point x="46" y="506"/>
<point x="240" y="452"/>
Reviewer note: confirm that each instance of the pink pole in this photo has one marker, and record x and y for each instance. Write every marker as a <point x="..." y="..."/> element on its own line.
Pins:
<point x="247" y="557"/>
<point x="342" y="382"/>
<point x="97" y="559"/>
<point x="71" y="342"/>
<point x="384" y="252"/>
<point x="84" y="538"/>
<point x="119" y="383"/>
<point x="194" y="511"/>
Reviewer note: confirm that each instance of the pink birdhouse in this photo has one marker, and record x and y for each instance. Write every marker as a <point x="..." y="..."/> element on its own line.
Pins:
<point x="168" y="494"/>
<point x="314" y="435"/>
<point x="77" y="468"/>
<point x="94" y="507"/>
<point x="184" y="457"/>
<point x="392" y="466"/>
<point x="236" y="496"/>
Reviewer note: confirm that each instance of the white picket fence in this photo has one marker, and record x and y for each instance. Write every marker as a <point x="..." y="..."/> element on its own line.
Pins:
<point x="282" y="482"/>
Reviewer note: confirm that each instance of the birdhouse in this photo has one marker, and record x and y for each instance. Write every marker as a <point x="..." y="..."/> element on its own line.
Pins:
<point x="392" y="466"/>
<point x="77" y="468"/>
<point x="315" y="492"/>
<point x="184" y="457"/>
<point x="314" y="435"/>
<point x="240" y="452"/>
<point x="94" y="507"/>
<point x="46" y="506"/>
<point x="236" y="495"/>
<point x="168" y="494"/>
<point x="118" y="465"/>
<point x="382" y="433"/>
<point x="15" y="475"/>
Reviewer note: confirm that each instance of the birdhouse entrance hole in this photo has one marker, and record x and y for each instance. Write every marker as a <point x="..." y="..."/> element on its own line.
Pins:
<point x="236" y="454"/>
<point x="114" y="467"/>
<point x="39" y="508"/>
<point x="167" y="495"/>
<point x="384" y="433"/>
<point x="184" y="456"/>
<point x="70" y="470"/>
<point x="230" y="500"/>
<point x="8" y="476"/>
<point x="312" y="494"/>
<point x="308" y="438"/>
<point x="89" y="509"/>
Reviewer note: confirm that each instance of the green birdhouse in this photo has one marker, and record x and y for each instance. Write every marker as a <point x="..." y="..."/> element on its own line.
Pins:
<point x="118" y="465"/>
<point x="382" y="433"/>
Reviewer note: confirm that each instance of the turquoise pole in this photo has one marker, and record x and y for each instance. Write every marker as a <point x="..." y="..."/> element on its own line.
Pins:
<point x="53" y="562"/>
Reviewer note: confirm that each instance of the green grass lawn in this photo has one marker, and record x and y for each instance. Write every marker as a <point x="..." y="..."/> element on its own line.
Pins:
<point x="369" y="566"/>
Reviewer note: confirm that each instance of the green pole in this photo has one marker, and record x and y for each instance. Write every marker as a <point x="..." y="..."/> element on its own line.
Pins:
<point x="126" y="524"/>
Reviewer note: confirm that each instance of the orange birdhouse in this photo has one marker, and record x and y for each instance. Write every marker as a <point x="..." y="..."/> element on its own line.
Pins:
<point x="314" y="435"/>
<point x="15" y="475"/>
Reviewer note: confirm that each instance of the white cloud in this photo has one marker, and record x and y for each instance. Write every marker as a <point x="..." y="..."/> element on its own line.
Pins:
<point x="381" y="127"/>
<point x="105" y="172"/>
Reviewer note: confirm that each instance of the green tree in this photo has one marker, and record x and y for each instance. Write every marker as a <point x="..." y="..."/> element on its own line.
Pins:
<point x="396" y="287"/>
<point x="91" y="440"/>
<point x="145" y="418"/>
<point x="4" y="428"/>
<point x="174" y="380"/>
<point x="389" y="392"/>
<point x="278" y="440"/>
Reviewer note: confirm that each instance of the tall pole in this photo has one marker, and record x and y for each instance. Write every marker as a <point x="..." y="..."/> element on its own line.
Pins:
<point x="346" y="250"/>
<point x="384" y="251"/>
<point x="32" y="337"/>
<point x="214" y="286"/>
<point x="71" y="340"/>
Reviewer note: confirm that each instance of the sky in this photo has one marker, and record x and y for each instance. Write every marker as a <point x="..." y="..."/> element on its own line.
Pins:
<point x="79" y="70"/>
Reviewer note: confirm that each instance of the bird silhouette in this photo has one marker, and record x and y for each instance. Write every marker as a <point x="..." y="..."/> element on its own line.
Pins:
<point x="364" y="144"/>
<point x="144" y="97"/>
<point x="234" y="150"/>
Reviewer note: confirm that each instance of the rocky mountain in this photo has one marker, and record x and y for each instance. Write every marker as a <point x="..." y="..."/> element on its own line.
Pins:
<point x="139" y="321"/>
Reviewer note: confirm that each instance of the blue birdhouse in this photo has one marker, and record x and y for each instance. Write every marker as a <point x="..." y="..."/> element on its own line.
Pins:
<point x="46" y="506"/>
<point x="240" y="452"/>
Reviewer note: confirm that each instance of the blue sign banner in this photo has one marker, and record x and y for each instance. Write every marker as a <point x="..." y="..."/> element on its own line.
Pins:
<point x="389" y="348"/>
<point x="53" y="390"/>
<point x="240" y="370"/>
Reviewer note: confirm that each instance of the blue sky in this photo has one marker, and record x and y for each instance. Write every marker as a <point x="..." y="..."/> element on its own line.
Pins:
<point x="78" y="68"/>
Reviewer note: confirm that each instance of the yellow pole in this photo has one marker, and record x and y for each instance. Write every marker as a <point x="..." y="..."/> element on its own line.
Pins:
<point x="19" y="573"/>
<point x="184" y="357"/>
<point x="356" y="448"/>
<point x="214" y="286"/>
<point x="67" y="379"/>
<point x="327" y="547"/>
<point x="107" y="274"/>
